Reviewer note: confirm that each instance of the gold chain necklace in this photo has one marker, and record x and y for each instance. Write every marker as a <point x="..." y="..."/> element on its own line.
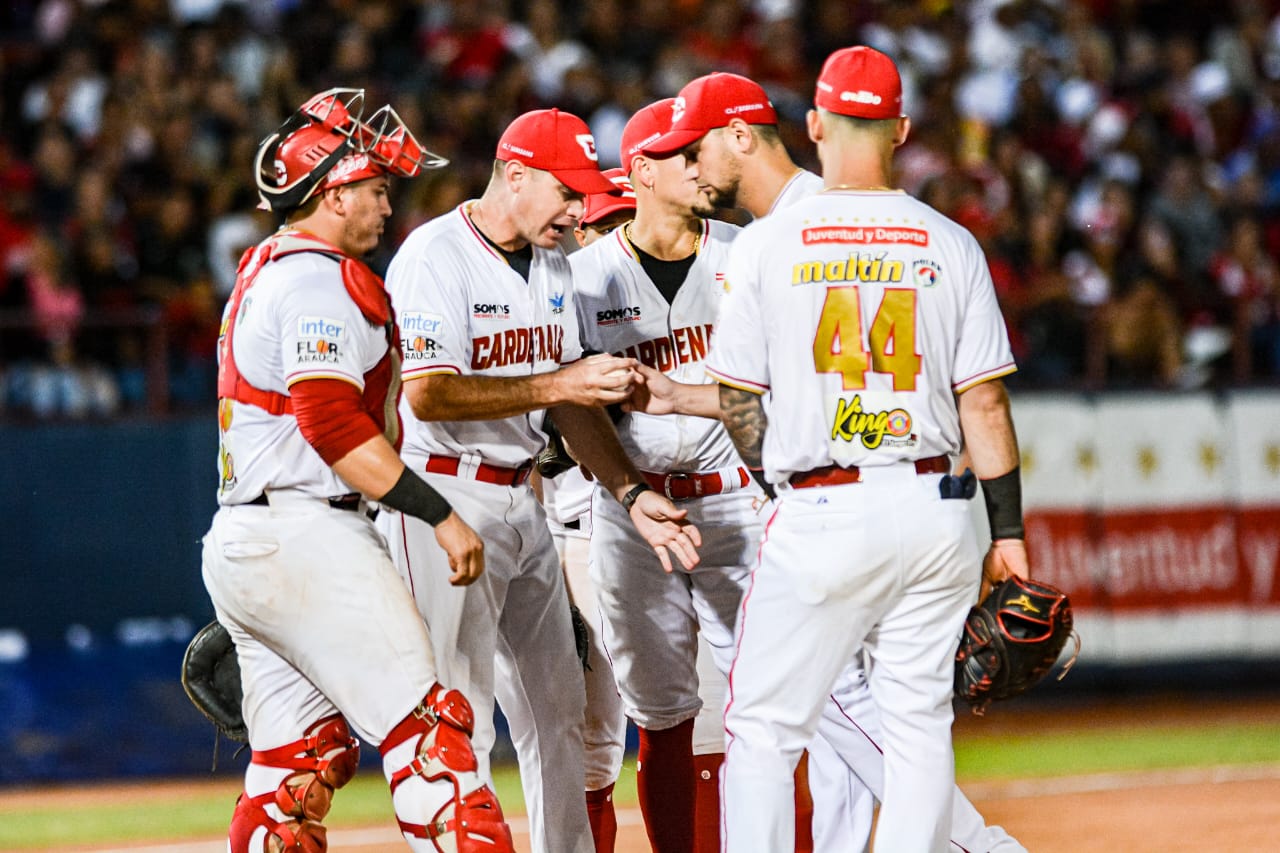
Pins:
<point x="626" y="232"/>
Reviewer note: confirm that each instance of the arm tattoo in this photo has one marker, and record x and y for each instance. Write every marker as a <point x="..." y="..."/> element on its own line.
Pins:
<point x="742" y="413"/>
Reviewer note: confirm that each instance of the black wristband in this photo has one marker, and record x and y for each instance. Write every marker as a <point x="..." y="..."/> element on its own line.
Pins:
<point x="629" y="499"/>
<point x="757" y="474"/>
<point x="414" y="496"/>
<point x="1003" y="496"/>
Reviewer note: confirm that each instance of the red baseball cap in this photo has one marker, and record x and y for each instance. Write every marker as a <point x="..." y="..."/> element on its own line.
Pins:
<point x="710" y="102"/>
<point x="861" y="82"/>
<point x="600" y="205"/>
<point x="556" y="142"/>
<point x="644" y="128"/>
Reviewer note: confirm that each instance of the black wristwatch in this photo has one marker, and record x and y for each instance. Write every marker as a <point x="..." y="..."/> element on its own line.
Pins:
<point x="629" y="499"/>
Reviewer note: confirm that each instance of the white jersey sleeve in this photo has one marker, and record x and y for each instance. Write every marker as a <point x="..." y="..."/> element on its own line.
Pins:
<point x="984" y="351"/>
<point x="431" y="307"/>
<point x="739" y="347"/>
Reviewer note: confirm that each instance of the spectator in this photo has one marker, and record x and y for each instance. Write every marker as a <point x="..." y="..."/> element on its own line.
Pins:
<point x="125" y="127"/>
<point x="1249" y="276"/>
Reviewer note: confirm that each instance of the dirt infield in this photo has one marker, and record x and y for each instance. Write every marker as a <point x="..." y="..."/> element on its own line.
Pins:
<point x="1224" y="809"/>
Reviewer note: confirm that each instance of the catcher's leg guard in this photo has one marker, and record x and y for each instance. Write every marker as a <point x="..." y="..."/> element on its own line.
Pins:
<point x="470" y="819"/>
<point x="324" y="759"/>
<point x="290" y="836"/>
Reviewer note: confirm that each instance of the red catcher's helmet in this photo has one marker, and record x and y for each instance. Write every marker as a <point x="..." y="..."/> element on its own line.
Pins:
<point x="326" y="143"/>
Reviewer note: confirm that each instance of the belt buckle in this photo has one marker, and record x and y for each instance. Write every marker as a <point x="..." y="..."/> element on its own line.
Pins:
<point x="680" y="476"/>
<point x="523" y="470"/>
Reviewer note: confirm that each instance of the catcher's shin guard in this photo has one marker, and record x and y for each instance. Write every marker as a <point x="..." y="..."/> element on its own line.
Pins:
<point x="469" y="820"/>
<point x="324" y="759"/>
<point x="288" y="836"/>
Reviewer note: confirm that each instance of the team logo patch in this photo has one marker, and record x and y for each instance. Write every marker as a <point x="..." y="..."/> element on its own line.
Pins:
<point x="890" y="428"/>
<point x="418" y="348"/>
<point x="927" y="273"/>
<point x="226" y="469"/>
<point x="677" y="110"/>
<point x="321" y="351"/>
<point x="722" y="281"/>
<point x="588" y="144"/>
<point x="556" y="301"/>
<point x="320" y="328"/>
<point x="421" y="323"/>
<point x="491" y="311"/>
<point x="614" y="316"/>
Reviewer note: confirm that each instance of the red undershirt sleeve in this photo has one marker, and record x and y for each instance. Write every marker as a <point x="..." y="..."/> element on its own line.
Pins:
<point x="331" y="417"/>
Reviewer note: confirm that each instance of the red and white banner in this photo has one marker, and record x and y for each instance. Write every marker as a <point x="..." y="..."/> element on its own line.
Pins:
<point x="1160" y="516"/>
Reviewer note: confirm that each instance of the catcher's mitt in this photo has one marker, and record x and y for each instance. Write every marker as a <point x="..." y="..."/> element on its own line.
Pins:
<point x="211" y="677"/>
<point x="1011" y="641"/>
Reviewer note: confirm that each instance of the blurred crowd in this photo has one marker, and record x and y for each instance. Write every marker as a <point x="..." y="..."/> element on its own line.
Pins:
<point x="1118" y="159"/>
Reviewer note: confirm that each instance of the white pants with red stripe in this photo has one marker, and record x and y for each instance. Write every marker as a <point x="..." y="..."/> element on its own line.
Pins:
<point x="507" y="636"/>
<point x="885" y="565"/>
<point x="604" y="734"/>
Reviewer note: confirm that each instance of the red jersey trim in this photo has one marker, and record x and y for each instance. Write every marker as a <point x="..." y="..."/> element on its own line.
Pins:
<point x="985" y="376"/>
<point x="735" y="382"/>
<point x="475" y="232"/>
<point x="294" y="378"/>
<point x="433" y="369"/>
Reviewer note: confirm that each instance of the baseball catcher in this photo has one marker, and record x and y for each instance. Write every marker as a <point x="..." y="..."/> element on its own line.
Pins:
<point x="1011" y="641"/>
<point x="211" y="677"/>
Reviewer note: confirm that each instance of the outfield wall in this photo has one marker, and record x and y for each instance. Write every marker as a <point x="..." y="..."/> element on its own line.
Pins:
<point x="1160" y="515"/>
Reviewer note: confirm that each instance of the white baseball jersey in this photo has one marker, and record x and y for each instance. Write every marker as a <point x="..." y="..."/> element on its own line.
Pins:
<point x="296" y="322"/>
<point x="462" y="309"/>
<point x="621" y="311"/>
<point x="888" y="302"/>
<point x="799" y="186"/>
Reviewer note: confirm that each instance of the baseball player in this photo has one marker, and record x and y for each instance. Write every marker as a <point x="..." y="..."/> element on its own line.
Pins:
<point x="567" y="499"/>
<point x="488" y="319"/>
<point x="650" y="291"/>
<point x="328" y="639"/>
<point x="854" y="355"/>
<point x="743" y="163"/>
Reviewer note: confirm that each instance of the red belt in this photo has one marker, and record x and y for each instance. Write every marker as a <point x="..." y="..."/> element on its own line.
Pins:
<point x="834" y="475"/>
<point x="484" y="472"/>
<point x="682" y="486"/>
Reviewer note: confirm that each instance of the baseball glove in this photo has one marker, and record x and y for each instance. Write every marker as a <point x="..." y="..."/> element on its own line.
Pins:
<point x="211" y="677"/>
<point x="554" y="459"/>
<point x="1011" y="640"/>
<point x="580" y="637"/>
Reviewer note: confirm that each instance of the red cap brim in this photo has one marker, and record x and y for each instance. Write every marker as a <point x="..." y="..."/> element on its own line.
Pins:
<point x="584" y="181"/>
<point x="610" y="205"/>
<point x="671" y="142"/>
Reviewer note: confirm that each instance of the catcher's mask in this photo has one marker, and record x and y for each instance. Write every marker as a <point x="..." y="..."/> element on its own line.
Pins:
<point x="328" y="143"/>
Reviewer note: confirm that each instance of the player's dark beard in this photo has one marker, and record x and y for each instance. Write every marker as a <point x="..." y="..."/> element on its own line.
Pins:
<point x="711" y="201"/>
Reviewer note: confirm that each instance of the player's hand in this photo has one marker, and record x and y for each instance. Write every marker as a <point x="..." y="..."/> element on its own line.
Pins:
<point x="597" y="380"/>
<point x="1005" y="557"/>
<point x="663" y="526"/>
<point x="654" y="393"/>
<point x="464" y="547"/>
